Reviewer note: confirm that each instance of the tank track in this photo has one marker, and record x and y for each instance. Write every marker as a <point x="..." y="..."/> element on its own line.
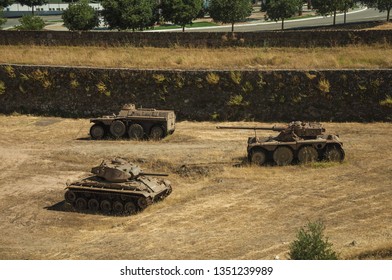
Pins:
<point x="110" y="203"/>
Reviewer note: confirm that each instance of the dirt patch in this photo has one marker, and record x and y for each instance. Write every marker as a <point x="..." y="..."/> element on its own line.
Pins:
<point x="216" y="210"/>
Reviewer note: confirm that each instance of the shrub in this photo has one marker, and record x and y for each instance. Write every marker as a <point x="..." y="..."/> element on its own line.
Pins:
<point x="30" y="22"/>
<point x="311" y="244"/>
<point x="80" y="16"/>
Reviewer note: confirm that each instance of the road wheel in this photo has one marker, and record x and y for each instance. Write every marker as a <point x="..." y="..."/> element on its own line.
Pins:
<point x="307" y="154"/>
<point x="156" y="133"/>
<point x="334" y="154"/>
<point x="70" y="196"/>
<point x="118" y="207"/>
<point x="135" y="131"/>
<point x="81" y="203"/>
<point x="283" y="156"/>
<point x="117" y="129"/>
<point x="97" y="132"/>
<point x="93" y="205"/>
<point x="258" y="157"/>
<point x="130" y="208"/>
<point x="106" y="206"/>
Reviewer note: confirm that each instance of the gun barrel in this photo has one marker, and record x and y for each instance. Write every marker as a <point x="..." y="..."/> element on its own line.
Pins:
<point x="154" y="174"/>
<point x="274" y="128"/>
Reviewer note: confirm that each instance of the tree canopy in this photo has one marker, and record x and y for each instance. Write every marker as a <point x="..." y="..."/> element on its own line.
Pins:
<point x="181" y="12"/>
<point x="80" y="16"/>
<point x="129" y="14"/>
<point x="32" y="3"/>
<point x="281" y="9"/>
<point x="6" y="3"/>
<point x="230" y="11"/>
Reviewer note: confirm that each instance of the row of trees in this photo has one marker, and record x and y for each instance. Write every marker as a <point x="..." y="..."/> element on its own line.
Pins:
<point x="142" y="14"/>
<point x="279" y="10"/>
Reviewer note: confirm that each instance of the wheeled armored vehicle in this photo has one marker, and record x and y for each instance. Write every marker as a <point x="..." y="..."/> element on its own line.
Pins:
<point x="296" y="142"/>
<point x="117" y="187"/>
<point x="135" y="123"/>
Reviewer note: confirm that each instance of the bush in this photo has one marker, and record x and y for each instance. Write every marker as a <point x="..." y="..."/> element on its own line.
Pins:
<point x="80" y="16"/>
<point x="30" y="22"/>
<point x="311" y="245"/>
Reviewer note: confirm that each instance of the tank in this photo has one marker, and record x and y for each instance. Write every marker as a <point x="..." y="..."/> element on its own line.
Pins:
<point x="298" y="142"/>
<point x="135" y="123"/>
<point x="117" y="187"/>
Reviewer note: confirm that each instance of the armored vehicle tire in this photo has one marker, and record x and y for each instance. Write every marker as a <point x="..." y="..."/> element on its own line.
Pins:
<point x="97" y="131"/>
<point x="81" y="203"/>
<point x="307" y="154"/>
<point x="70" y="196"/>
<point x="130" y="208"/>
<point x="117" y="129"/>
<point x="156" y="133"/>
<point x="334" y="153"/>
<point x="93" y="204"/>
<point x="106" y="206"/>
<point x="135" y="131"/>
<point x="258" y="157"/>
<point x="283" y="155"/>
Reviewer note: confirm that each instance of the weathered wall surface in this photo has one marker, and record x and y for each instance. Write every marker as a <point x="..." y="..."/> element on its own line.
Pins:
<point x="328" y="95"/>
<point x="295" y="38"/>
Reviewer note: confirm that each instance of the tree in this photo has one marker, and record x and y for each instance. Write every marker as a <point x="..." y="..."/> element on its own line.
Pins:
<point x="2" y="19"/>
<point x="6" y="3"/>
<point x="30" y="22"/>
<point x="32" y="3"/>
<point x="346" y="5"/>
<point x="381" y="5"/>
<point x="230" y="11"/>
<point x="80" y="16"/>
<point x="311" y="244"/>
<point x="328" y="7"/>
<point x="181" y="12"/>
<point x="129" y="14"/>
<point x="282" y="9"/>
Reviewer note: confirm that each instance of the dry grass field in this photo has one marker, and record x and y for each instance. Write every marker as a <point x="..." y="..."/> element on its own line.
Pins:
<point x="218" y="210"/>
<point x="352" y="57"/>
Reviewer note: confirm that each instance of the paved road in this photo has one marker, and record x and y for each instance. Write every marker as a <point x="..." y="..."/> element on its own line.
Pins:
<point x="355" y="16"/>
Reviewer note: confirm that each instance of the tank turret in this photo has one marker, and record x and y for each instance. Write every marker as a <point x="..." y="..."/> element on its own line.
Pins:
<point x="297" y="141"/>
<point x="291" y="132"/>
<point x="118" y="187"/>
<point x="120" y="170"/>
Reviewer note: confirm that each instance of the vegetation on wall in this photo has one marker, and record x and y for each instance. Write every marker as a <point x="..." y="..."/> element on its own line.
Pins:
<point x="277" y="95"/>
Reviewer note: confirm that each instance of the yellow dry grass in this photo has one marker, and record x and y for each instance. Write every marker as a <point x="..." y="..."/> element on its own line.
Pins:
<point x="216" y="210"/>
<point x="378" y="56"/>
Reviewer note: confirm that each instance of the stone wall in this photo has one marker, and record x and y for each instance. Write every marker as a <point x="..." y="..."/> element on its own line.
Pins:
<point x="294" y="38"/>
<point x="279" y="95"/>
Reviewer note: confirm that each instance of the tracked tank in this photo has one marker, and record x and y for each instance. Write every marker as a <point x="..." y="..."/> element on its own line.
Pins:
<point x="296" y="142"/>
<point x="117" y="187"/>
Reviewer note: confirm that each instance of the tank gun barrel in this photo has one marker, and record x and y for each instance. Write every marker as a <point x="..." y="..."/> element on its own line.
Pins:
<point x="274" y="128"/>
<point x="154" y="174"/>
